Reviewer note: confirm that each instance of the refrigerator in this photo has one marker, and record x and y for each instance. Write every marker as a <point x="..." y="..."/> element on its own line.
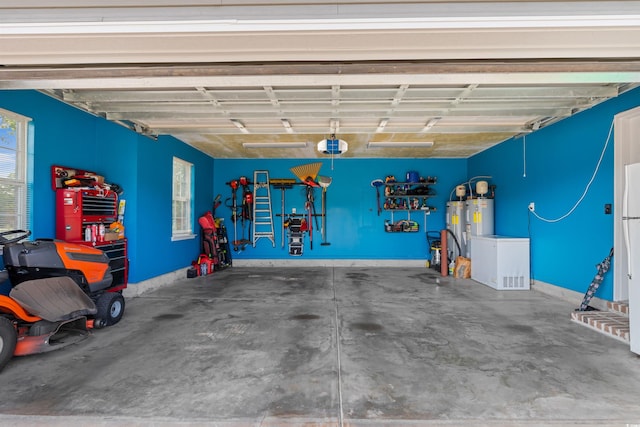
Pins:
<point x="631" y="231"/>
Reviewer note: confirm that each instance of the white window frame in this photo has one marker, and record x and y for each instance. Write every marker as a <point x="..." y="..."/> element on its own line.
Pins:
<point x="182" y="200"/>
<point x="23" y="193"/>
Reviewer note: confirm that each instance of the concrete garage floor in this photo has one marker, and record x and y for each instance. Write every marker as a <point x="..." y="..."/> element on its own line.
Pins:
<point x="330" y="346"/>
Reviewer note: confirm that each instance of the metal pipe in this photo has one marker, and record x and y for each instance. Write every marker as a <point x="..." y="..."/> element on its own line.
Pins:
<point x="444" y="262"/>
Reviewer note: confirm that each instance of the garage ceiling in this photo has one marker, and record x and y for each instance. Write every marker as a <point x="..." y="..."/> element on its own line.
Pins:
<point x="216" y="75"/>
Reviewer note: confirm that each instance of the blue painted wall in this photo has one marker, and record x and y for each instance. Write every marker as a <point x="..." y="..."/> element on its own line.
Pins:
<point x="56" y="128"/>
<point x="354" y="228"/>
<point x="142" y="167"/>
<point x="154" y="192"/>
<point x="552" y="167"/>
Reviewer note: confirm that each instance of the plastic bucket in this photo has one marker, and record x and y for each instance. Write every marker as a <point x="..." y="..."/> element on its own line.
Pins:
<point x="413" y="176"/>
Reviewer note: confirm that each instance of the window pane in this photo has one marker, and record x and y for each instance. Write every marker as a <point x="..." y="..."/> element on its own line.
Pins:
<point x="13" y="185"/>
<point x="181" y="204"/>
<point x="7" y="162"/>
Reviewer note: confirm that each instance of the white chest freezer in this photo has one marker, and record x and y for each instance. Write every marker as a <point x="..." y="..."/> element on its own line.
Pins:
<point x="500" y="262"/>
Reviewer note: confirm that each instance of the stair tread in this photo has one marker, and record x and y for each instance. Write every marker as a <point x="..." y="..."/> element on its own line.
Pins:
<point x="610" y="323"/>
<point x="618" y="307"/>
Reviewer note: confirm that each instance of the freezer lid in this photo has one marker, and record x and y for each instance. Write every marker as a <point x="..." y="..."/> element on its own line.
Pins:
<point x="500" y="237"/>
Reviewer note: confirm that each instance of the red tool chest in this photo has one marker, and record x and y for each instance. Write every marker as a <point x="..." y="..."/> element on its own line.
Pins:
<point x="79" y="208"/>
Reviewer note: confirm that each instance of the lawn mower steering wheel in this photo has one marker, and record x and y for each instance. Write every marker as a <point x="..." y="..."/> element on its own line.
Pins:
<point x="19" y="235"/>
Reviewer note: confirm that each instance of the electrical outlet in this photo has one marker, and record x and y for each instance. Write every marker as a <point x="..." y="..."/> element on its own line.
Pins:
<point x="532" y="206"/>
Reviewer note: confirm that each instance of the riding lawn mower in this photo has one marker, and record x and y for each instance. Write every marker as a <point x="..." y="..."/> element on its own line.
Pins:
<point x="59" y="291"/>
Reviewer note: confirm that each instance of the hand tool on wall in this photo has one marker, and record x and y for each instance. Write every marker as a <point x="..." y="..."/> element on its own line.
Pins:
<point x="324" y="182"/>
<point x="246" y="213"/>
<point x="283" y="184"/>
<point x="310" y="213"/>
<point x="377" y="183"/>
<point x="307" y="173"/>
<point x="282" y="208"/>
<point x="216" y="204"/>
<point x="234" y="211"/>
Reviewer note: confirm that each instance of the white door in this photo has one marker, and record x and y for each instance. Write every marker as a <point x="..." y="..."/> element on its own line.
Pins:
<point x="631" y="230"/>
<point x="626" y="151"/>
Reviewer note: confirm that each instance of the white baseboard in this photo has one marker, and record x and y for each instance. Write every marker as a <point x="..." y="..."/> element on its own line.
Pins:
<point x="305" y="262"/>
<point x="568" y="295"/>
<point x="137" y="289"/>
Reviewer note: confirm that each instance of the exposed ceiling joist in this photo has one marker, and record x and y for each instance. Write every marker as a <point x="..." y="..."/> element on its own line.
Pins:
<point x="465" y="74"/>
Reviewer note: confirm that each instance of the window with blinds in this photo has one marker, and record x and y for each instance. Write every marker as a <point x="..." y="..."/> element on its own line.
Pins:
<point x="182" y="218"/>
<point x="15" y="194"/>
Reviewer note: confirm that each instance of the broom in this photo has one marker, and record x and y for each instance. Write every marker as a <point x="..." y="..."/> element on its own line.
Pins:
<point x="324" y="182"/>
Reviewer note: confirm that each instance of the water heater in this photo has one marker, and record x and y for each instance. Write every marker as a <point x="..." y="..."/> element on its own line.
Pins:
<point x="457" y="224"/>
<point x="479" y="218"/>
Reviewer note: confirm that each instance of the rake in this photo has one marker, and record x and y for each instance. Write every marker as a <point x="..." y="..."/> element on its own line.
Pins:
<point x="307" y="173"/>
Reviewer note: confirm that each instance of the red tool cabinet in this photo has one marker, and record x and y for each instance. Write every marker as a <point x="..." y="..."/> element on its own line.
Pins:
<point x="79" y="208"/>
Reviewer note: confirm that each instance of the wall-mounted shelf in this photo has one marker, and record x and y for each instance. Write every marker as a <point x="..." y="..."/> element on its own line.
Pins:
<point x="393" y="226"/>
<point x="410" y="198"/>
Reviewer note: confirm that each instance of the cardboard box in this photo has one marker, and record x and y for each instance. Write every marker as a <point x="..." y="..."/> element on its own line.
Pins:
<point x="109" y="235"/>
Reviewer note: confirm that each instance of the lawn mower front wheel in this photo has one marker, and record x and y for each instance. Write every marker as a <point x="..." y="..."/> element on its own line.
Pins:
<point x="110" y="307"/>
<point x="8" y="339"/>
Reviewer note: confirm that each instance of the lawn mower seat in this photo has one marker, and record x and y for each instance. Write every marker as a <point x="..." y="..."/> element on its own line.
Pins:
<point x="54" y="299"/>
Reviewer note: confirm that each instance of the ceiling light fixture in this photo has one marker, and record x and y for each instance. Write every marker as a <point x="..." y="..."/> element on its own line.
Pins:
<point x="382" y="125"/>
<point x="287" y="125"/>
<point x="240" y="125"/>
<point x="400" y="144"/>
<point x="431" y="123"/>
<point x="274" y="144"/>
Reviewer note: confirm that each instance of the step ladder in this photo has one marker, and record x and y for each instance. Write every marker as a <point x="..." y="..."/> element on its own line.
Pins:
<point x="262" y="215"/>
